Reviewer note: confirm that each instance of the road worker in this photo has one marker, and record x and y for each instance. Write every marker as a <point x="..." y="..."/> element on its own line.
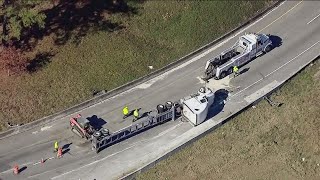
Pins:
<point x="235" y="71"/>
<point x="136" y="115"/>
<point x="125" y="111"/>
<point x="56" y="146"/>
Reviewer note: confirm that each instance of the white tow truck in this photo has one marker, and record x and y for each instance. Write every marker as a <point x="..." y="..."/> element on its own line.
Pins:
<point x="248" y="46"/>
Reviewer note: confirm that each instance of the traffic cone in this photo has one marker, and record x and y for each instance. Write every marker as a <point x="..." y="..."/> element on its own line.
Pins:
<point x="16" y="169"/>
<point x="42" y="160"/>
<point x="59" y="154"/>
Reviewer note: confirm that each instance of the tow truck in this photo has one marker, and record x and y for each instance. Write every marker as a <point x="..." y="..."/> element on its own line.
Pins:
<point x="248" y="47"/>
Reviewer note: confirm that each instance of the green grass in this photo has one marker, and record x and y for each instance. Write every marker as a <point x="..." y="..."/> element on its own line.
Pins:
<point x="160" y="33"/>
<point x="261" y="143"/>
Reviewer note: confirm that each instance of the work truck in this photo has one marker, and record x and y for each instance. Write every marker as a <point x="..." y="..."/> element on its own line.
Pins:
<point x="248" y="46"/>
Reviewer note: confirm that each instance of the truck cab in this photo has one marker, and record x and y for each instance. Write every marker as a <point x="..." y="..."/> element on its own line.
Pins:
<point x="256" y="44"/>
<point x="248" y="46"/>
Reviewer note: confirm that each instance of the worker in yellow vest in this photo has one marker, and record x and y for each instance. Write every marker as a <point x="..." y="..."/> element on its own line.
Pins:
<point x="125" y="112"/>
<point x="135" y="114"/>
<point x="56" y="146"/>
<point x="235" y="71"/>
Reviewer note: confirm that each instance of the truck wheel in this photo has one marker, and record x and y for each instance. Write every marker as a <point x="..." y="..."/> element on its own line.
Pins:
<point x="230" y="70"/>
<point x="268" y="48"/>
<point x="223" y="75"/>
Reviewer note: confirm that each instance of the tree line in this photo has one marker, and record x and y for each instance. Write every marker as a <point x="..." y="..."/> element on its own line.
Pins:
<point x="19" y="15"/>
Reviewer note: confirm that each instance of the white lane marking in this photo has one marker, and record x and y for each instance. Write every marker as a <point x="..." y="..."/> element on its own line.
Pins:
<point x="50" y="158"/>
<point x="35" y="132"/>
<point x="37" y="163"/>
<point x="45" y="128"/>
<point x="181" y="66"/>
<point x="44" y="160"/>
<point x="25" y="164"/>
<point x="280" y="17"/>
<point x="133" y="145"/>
<point x="276" y="69"/>
<point x="251" y="98"/>
<point x="186" y="63"/>
<point x="166" y="131"/>
<point x="313" y="19"/>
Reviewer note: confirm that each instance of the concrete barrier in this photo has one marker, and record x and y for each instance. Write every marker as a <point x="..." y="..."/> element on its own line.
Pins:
<point x="133" y="174"/>
<point x="131" y="84"/>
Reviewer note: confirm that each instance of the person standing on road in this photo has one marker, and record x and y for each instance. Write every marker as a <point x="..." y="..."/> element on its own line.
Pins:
<point x="56" y="146"/>
<point x="125" y="112"/>
<point x="135" y="115"/>
<point x="235" y="71"/>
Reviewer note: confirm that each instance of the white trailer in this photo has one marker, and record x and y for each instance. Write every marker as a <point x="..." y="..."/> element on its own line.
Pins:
<point x="248" y="46"/>
<point x="196" y="107"/>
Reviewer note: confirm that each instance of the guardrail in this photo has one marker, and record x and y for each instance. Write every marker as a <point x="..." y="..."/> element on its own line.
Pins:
<point x="131" y="84"/>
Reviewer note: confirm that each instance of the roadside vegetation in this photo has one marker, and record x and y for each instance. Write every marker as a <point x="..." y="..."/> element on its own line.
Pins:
<point x="88" y="46"/>
<point x="261" y="143"/>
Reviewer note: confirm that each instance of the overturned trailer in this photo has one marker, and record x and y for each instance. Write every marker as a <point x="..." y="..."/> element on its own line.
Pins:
<point x="194" y="108"/>
<point x="101" y="140"/>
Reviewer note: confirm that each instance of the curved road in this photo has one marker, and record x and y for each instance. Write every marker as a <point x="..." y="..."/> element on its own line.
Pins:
<point x="295" y="27"/>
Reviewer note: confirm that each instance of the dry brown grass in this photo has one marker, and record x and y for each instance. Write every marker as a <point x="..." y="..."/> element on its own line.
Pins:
<point x="261" y="143"/>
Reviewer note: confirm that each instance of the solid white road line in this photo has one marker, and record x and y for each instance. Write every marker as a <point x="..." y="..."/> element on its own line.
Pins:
<point x="188" y="62"/>
<point x="280" y="17"/>
<point x="21" y="165"/>
<point x="313" y="19"/>
<point x="275" y="69"/>
<point x="183" y="65"/>
<point x="104" y="158"/>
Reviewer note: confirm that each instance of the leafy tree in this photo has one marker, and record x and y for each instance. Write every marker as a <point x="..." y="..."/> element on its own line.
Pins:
<point x="19" y="15"/>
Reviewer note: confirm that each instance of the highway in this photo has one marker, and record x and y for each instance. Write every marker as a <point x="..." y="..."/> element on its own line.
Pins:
<point x="295" y="30"/>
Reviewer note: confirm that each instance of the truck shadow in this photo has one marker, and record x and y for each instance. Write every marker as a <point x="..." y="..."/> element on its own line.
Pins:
<point x="276" y="41"/>
<point x="96" y="122"/>
<point x="218" y="104"/>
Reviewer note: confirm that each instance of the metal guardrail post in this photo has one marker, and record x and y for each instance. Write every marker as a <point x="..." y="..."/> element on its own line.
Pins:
<point x="272" y="103"/>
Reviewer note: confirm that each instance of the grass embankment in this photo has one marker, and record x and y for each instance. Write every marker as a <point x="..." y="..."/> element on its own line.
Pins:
<point x="158" y="34"/>
<point x="261" y="143"/>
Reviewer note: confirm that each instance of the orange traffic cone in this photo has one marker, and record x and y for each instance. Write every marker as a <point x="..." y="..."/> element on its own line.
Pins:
<point x="59" y="154"/>
<point x="16" y="169"/>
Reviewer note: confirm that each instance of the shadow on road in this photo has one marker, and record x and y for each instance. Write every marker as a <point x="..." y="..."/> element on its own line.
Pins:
<point x="219" y="97"/>
<point x="65" y="151"/>
<point x="22" y="169"/>
<point x="244" y="70"/>
<point x="66" y="146"/>
<point x="276" y="41"/>
<point x="96" y="122"/>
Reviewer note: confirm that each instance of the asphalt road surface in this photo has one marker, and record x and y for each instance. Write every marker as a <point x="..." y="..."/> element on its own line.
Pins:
<point x="295" y="27"/>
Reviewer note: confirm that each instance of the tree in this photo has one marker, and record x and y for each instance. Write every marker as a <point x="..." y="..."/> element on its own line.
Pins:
<point x="19" y="15"/>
